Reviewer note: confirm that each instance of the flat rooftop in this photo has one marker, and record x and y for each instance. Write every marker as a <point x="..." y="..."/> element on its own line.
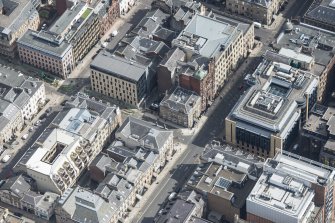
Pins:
<point x="45" y="42"/>
<point x="310" y="41"/>
<point x="67" y="18"/>
<point x="118" y="67"/>
<point x="207" y="36"/>
<point x="320" y="122"/>
<point x="232" y="157"/>
<point x="179" y="212"/>
<point x="301" y="168"/>
<point x="280" y="193"/>
<point x="271" y="105"/>
<point x="217" y="179"/>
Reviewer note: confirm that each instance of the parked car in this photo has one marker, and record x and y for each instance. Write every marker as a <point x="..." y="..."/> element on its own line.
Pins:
<point x="172" y="196"/>
<point x="114" y="33"/>
<point x="25" y="136"/>
<point x="258" y="38"/>
<point x="6" y="158"/>
<point x="154" y="106"/>
<point x="295" y="147"/>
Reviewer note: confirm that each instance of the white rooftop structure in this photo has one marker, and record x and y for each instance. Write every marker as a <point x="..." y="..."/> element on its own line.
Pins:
<point x="280" y="199"/>
<point x="296" y="55"/>
<point x="288" y="189"/>
<point x="72" y="140"/>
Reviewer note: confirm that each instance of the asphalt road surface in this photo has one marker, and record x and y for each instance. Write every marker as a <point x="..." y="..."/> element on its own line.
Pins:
<point x="214" y="126"/>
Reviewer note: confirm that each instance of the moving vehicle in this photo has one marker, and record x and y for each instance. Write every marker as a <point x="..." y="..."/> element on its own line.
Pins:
<point x="6" y="158"/>
<point x="257" y="25"/>
<point x="172" y="196"/>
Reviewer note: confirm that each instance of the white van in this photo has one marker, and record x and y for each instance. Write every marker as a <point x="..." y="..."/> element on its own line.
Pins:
<point x="257" y="25"/>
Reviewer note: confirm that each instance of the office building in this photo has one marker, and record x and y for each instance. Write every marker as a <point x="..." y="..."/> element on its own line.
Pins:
<point x="20" y="99"/>
<point x="16" y="17"/>
<point x="221" y="41"/>
<point x="309" y="48"/>
<point x="58" y="49"/>
<point x="42" y="50"/>
<point x="73" y="26"/>
<point x="167" y="75"/>
<point x="262" y="11"/>
<point x="181" y="107"/>
<point x="129" y="73"/>
<point x="321" y="14"/>
<point x="68" y="145"/>
<point x="267" y="117"/>
<point x="292" y="189"/>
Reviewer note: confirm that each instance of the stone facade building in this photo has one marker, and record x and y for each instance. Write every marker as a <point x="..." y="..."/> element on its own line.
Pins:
<point x="262" y="11"/>
<point x="182" y="107"/>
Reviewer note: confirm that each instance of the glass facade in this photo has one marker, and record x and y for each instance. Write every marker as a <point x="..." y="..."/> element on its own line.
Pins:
<point x="251" y="139"/>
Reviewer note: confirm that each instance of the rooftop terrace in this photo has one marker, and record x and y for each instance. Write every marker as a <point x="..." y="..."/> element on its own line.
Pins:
<point x="272" y="103"/>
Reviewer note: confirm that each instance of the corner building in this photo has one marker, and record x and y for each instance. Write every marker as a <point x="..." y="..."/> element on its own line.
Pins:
<point x="269" y="114"/>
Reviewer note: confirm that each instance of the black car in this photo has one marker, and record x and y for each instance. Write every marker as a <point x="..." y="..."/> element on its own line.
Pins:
<point x="17" y="214"/>
<point x="154" y="107"/>
<point x="258" y="38"/>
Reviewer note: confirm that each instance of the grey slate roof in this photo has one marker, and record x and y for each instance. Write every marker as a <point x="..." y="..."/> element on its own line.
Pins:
<point x="145" y="133"/>
<point x="180" y="100"/>
<point x="45" y="42"/>
<point x="172" y="57"/>
<point x="17" y="12"/>
<point x="86" y="207"/>
<point x="15" y="91"/>
<point x="322" y="13"/>
<point x="151" y="21"/>
<point x="31" y="198"/>
<point x="100" y="162"/>
<point x="119" y="67"/>
<point x="17" y="185"/>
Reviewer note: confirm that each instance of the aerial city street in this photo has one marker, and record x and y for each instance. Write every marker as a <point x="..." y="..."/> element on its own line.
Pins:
<point x="167" y="111"/>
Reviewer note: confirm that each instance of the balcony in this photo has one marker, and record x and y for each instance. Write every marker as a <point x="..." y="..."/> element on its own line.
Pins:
<point x="74" y="156"/>
<point x="79" y="150"/>
<point x="72" y="173"/>
<point x="56" y="178"/>
<point x="88" y="151"/>
<point x="66" y="165"/>
<point x="79" y="164"/>
<point x="61" y="172"/>
<point x="61" y="185"/>
<point x="83" y="157"/>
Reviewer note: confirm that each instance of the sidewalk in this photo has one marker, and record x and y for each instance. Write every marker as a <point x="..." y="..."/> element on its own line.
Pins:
<point x="181" y="148"/>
